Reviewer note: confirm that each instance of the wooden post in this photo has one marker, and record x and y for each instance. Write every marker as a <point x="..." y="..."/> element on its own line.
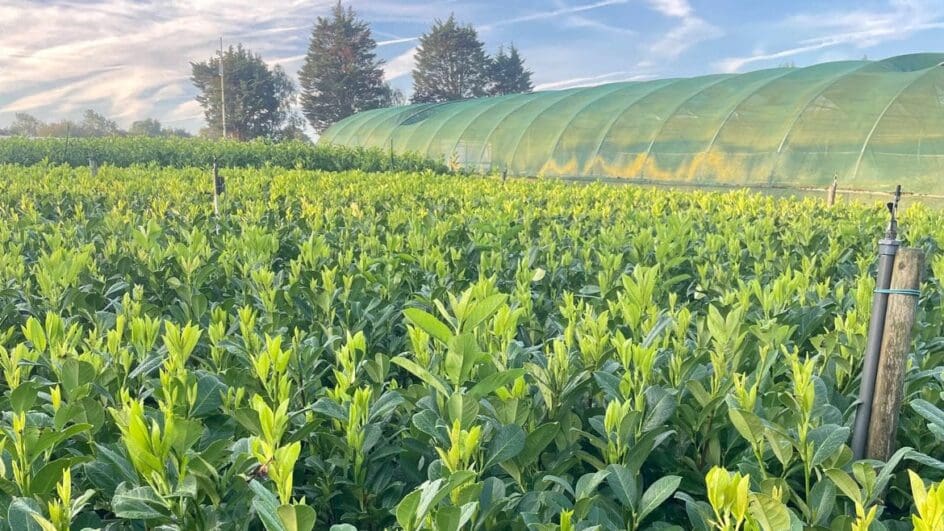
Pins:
<point x="896" y="344"/>
<point x="831" y="193"/>
<point x="93" y="167"/>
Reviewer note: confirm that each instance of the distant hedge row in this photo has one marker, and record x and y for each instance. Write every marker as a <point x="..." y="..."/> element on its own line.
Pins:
<point x="184" y="152"/>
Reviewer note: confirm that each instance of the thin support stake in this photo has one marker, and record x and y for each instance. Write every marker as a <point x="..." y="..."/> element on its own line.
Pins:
<point x="216" y="190"/>
<point x="896" y="344"/>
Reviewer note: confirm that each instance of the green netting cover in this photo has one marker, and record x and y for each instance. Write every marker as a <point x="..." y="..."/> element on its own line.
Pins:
<point x="867" y="123"/>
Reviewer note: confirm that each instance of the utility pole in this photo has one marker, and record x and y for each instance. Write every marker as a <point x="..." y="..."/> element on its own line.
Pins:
<point x="222" y="90"/>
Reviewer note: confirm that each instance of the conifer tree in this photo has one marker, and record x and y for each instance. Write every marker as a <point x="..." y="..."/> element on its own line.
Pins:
<point x="451" y="64"/>
<point x="507" y="74"/>
<point x="341" y="74"/>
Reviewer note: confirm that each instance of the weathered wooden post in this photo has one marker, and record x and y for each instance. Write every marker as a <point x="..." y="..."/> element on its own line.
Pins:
<point x="93" y="166"/>
<point x="896" y="344"/>
<point x="887" y="249"/>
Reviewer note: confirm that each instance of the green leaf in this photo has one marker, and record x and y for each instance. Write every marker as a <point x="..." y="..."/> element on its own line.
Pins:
<point x="845" y="484"/>
<point x="186" y="489"/>
<point x="536" y="442"/>
<point x="462" y="409"/>
<point x="427" y="421"/>
<point x="23" y="397"/>
<point x="76" y="378"/>
<point x="656" y="494"/>
<point x="210" y="392"/>
<point x="660" y="411"/>
<point x="266" y="506"/>
<point x="44" y="481"/>
<point x="888" y="470"/>
<point x="406" y="510"/>
<point x="138" y="503"/>
<point x="769" y="513"/>
<point x="297" y="517"/>
<point x="462" y="355"/>
<point x="447" y="518"/>
<point x="780" y="445"/>
<point x="427" y="377"/>
<point x="507" y="443"/>
<point x="330" y="408"/>
<point x="831" y="444"/>
<point x="433" y="495"/>
<point x="623" y="483"/>
<point x="342" y="527"/>
<point x="248" y="419"/>
<point x="187" y="432"/>
<point x="644" y="446"/>
<point x="482" y="310"/>
<point x="494" y="381"/>
<point x="429" y="323"/>
<point x="749" y="425"/>
<point x="51" y="439"/>
<point x="929" y="411"/>
<point x="20" y="514"/>
<point x="822" y="501"/>
<point x="588" y="483"/>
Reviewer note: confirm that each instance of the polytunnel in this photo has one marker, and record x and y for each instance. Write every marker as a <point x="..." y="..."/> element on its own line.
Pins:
<point x="868" y="124"/>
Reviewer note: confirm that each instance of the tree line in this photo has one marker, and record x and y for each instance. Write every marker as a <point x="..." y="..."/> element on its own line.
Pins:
<point x="91" y="125"/>
<point x="341" y="75"/>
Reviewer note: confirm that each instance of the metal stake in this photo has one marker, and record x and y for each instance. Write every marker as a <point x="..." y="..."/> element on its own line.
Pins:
<point x="887" y="249"/>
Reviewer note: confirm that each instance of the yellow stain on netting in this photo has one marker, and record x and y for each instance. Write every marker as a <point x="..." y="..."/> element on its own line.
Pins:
<point x="704" y="167"/>
<point x="722" y="168"/>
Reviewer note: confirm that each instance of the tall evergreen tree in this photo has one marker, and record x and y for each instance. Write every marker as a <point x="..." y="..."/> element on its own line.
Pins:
<point x="258" y="98"/>
<point x="341" y="74"/>
<point x="507" y="74"/>
<point x="451" y="64"/>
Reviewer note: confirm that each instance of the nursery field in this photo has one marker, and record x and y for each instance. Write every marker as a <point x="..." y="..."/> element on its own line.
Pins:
<point x="416" y="351"/>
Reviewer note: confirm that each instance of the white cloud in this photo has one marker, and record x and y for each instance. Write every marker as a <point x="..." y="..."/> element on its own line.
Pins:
<point x="857" y="28"/>
<point x="388" y="42"/>
<point x="400" y="65"/>
<point x="619" y="76"/>
<point x="580" y="81"/>
<point x="553" y="13"/>
<point x="577" y="21"/>
<point x="672" y="8"/>
<point x="126" y="58"/>
<point x="690" y="30"/>
<point x="186" y="111"/>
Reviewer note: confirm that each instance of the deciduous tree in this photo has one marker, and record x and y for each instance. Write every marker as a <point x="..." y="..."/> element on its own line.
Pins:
<point x="258" y="98"/>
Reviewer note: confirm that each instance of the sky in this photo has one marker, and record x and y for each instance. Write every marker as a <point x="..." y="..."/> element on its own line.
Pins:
<point x="130" y="59"/>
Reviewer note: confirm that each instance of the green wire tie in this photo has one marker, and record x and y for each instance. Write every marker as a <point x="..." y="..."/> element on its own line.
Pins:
<point x="909" y="292"/>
